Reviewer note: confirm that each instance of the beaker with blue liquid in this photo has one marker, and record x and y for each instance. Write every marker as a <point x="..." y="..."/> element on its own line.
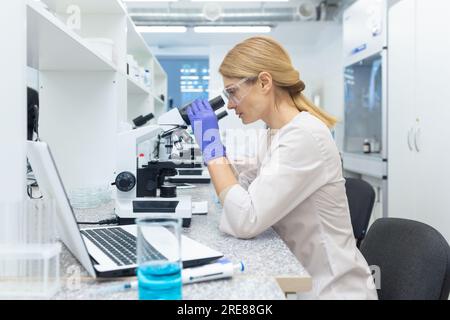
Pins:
<point x="159" y="258"/>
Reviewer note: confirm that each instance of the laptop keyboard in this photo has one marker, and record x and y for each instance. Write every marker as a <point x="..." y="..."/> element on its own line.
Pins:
<point x="119" y="245"/>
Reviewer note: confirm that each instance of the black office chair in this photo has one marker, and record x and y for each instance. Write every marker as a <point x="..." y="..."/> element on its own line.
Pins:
<point x="414" y="260"/>
<point x="361" y="199"/>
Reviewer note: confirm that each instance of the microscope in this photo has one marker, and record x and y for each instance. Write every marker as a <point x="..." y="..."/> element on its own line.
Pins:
<point x="190" y="161"/>
<point x="146" y="161"/>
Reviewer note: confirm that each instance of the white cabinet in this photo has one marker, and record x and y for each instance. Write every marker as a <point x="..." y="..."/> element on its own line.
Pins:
<point x="402" y="109"/>
<point x="419" y="113"/>
<point x="433" y="106"/>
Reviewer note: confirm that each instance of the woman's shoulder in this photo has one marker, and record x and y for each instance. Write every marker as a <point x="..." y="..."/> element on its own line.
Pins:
<point x="308" y="124"/>
<point x="308" y="131"/>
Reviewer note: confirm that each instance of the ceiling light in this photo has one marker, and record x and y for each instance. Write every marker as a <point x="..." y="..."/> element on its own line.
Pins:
<point x="212" y="11"/>
<point x="149" y="1"/>
<point x="232" y="29"/>
<point x="161" y="29"/>
<point x="240" y="0"/>
<point x="307" y="10"/>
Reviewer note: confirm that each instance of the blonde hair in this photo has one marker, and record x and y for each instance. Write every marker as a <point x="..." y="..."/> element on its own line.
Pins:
<point x="257" y="54"/>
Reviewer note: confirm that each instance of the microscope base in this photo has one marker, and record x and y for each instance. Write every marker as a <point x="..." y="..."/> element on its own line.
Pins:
<point x="186" y="222"/>
<point x="128" y="210"/>
<point x="197" y="175"/>
<point x="186" y="179"/>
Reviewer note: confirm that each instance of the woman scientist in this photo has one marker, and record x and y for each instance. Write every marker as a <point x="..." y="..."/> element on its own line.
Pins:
<point x="297" y="186"/>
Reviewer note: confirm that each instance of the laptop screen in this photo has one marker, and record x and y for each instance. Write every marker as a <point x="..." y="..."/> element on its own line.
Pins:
<point x="52" y="187"/>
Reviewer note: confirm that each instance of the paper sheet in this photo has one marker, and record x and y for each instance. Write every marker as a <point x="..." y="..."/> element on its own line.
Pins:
<point x="200" y="208"/>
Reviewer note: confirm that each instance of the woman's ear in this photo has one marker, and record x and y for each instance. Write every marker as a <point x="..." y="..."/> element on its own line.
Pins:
<point x="265" y="81"/>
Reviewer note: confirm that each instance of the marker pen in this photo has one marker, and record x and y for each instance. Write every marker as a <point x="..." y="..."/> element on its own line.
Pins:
<point x="127" y="286"/>
<point x="223" y="268"/>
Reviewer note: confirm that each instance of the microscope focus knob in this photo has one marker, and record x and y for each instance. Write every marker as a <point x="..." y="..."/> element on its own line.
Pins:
<point x="125" y="181"/>
<point x="168" y="191"/>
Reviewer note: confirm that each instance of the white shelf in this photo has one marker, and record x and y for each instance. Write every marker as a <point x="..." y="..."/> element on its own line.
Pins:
<point x="158" y="100"/>
<point x="159" y="71"/>
<point x="136" y="45"/>
<point x="88" y="6"/>
<point x="135" y="87"/>
<point x="54" y="47"/>
<point x="159" y="106"/>
<point x="158" y="110"/>
<point x="79" y="83"/>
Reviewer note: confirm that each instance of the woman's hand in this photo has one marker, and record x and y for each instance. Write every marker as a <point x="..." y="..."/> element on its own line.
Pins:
<point x="206" y="130"/>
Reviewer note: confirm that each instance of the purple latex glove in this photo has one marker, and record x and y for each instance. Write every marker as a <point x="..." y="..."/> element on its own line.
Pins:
<point x="206" y="130"/>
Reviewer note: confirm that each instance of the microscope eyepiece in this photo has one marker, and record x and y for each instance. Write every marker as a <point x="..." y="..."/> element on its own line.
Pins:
<point x="215" y="103"/>
<point x="142" y="120"/>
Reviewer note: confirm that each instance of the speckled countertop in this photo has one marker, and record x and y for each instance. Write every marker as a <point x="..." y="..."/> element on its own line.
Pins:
<point x="265" y="257"/>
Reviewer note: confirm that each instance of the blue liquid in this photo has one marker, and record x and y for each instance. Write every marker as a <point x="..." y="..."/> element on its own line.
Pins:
<point x="160" y="281"/>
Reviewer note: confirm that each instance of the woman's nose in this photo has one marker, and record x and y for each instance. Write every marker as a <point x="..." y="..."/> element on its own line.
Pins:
<point x="231" y="105"/>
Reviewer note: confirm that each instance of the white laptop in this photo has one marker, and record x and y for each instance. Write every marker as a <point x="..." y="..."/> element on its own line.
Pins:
<point x="103" y="251"/>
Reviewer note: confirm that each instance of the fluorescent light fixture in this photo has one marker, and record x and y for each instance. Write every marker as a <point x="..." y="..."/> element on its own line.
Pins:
<point x="232" y="29"/>
<point x="240" y="0"/>
<point x="161" y="29"/>
<point x="190" y="77"/>
<point x="191" y="90"/>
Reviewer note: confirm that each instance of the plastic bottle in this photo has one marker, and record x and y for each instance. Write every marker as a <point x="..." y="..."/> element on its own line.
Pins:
<point x="366" y="146"/>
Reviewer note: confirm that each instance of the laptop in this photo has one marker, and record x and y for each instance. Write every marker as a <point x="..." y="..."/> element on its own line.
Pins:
<point x="103" y="251"/>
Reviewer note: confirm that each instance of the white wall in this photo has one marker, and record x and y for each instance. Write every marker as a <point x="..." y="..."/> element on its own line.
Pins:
<point x="322" y="70"/>
<point x="175" y="51"/>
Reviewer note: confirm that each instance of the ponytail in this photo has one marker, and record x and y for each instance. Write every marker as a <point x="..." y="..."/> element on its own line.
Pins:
<point x="304" y="104"/>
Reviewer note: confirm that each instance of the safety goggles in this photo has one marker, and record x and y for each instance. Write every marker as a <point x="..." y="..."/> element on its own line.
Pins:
<point x="238" y="91"/>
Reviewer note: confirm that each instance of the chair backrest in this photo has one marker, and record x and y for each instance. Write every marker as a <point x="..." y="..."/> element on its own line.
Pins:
<point x="361" y="199"/>
<point x="413" y="260"/>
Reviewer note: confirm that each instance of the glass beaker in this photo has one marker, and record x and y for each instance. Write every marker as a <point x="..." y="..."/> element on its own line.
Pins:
<point x="29" y="250"/>
<point x="159" y="258"/>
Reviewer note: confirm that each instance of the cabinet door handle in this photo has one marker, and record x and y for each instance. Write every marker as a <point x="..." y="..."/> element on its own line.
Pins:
<point x="410" y="139"/>
<point x="417" y="139"/>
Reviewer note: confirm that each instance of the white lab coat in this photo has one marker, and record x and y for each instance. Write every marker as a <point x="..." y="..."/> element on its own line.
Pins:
<point x="296" y="186"/>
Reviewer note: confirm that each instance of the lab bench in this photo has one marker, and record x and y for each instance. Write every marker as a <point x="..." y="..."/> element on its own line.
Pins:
<point x="271" y="270"/>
